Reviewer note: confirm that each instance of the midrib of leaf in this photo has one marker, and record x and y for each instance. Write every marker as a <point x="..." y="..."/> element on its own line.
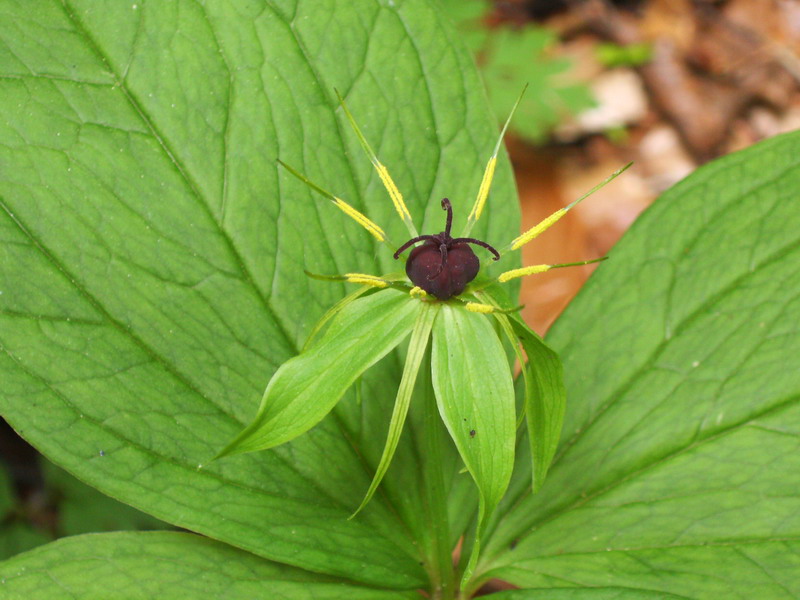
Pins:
<point x="182" y="171"/>
<point x="620" y="391"/>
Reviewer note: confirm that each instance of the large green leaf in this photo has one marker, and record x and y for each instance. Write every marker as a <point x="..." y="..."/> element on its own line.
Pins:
<point x="139" y="566"/>
<point x="152" y="253"/>
<point x="679" y="468"/>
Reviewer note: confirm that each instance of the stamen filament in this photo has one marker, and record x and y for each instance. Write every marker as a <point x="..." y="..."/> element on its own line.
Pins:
<point x="534" y="269"/>
<point x="488" y="174"/>
<point x="548" y="222"/>
<point x="383" y="172"/>
<point x="351" y="212"/>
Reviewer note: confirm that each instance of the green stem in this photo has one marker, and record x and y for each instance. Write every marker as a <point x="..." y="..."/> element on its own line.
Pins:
<point x="438" y="546"/>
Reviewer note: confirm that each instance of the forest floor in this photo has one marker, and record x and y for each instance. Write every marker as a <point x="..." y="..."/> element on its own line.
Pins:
<point x="721" y="76"/>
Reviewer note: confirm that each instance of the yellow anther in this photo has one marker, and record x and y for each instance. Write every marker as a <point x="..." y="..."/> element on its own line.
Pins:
<point x="488" y="174"/>
<point x="514" y="273"/>
<point x="383" y="172"/>
<point x="417" y="292"/>
<point x="483" y="191"/>
<point x="394" y="193"/>
<point x="361" y="219"/>
<point x="477" y="307"/>
<point x="365" y="279"/>
<point x="538" y="229"/>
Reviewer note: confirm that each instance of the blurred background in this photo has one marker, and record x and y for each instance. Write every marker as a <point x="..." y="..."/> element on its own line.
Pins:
<point x="668" y="84"/>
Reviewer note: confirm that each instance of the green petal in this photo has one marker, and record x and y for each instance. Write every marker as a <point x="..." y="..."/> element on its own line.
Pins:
<point x="545" y="398"/>
<point x="308" y="386"/>
<point x="475" y="395"/>
<point x="545" y="395"/>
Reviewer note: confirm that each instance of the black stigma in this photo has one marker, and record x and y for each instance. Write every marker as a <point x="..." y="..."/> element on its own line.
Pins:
<point x="443" y="266"/>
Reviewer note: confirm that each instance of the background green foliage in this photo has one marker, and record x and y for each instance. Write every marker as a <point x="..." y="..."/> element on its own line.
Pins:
<point x="510" y="58"/>
<point x="151" y="277"/>
<point x="65" y="506"/>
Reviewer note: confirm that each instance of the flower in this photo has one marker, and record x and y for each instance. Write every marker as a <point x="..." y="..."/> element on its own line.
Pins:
<point x="442" y="303"/>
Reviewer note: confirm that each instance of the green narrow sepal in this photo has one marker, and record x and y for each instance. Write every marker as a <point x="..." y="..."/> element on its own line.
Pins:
<point x="305" y="388"/>
<point x="416" y="351"/>
<point x="545" y="394"/>
<point x="545" y="399"/>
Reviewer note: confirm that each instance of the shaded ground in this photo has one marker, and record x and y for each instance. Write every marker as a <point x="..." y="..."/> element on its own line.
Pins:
<point x="721" y="76"/>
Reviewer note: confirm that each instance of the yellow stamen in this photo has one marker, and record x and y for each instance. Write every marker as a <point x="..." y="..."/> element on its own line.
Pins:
<point x="351" y="212"/>
<point x="365" y="279"/>
<point x="483" y="191"/>
<point x="538" y="229"/>
<point x="417" y="291"/>
<point x="360" y="218"/>
<point x="383" y="172"/>
<point x="477" y="307"/>
<point x="514" y="273"/>
<point x="488" y="174"/>
<point x="394" y="193"/>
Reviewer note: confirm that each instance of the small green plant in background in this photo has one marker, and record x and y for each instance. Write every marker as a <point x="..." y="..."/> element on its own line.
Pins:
<point x="614" y="55"/>
<point x="510" y="58"/>
<point x="152" y="284"/>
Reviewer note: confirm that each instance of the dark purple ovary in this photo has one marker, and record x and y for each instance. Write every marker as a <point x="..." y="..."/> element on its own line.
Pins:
<point x="460" y="268"/>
